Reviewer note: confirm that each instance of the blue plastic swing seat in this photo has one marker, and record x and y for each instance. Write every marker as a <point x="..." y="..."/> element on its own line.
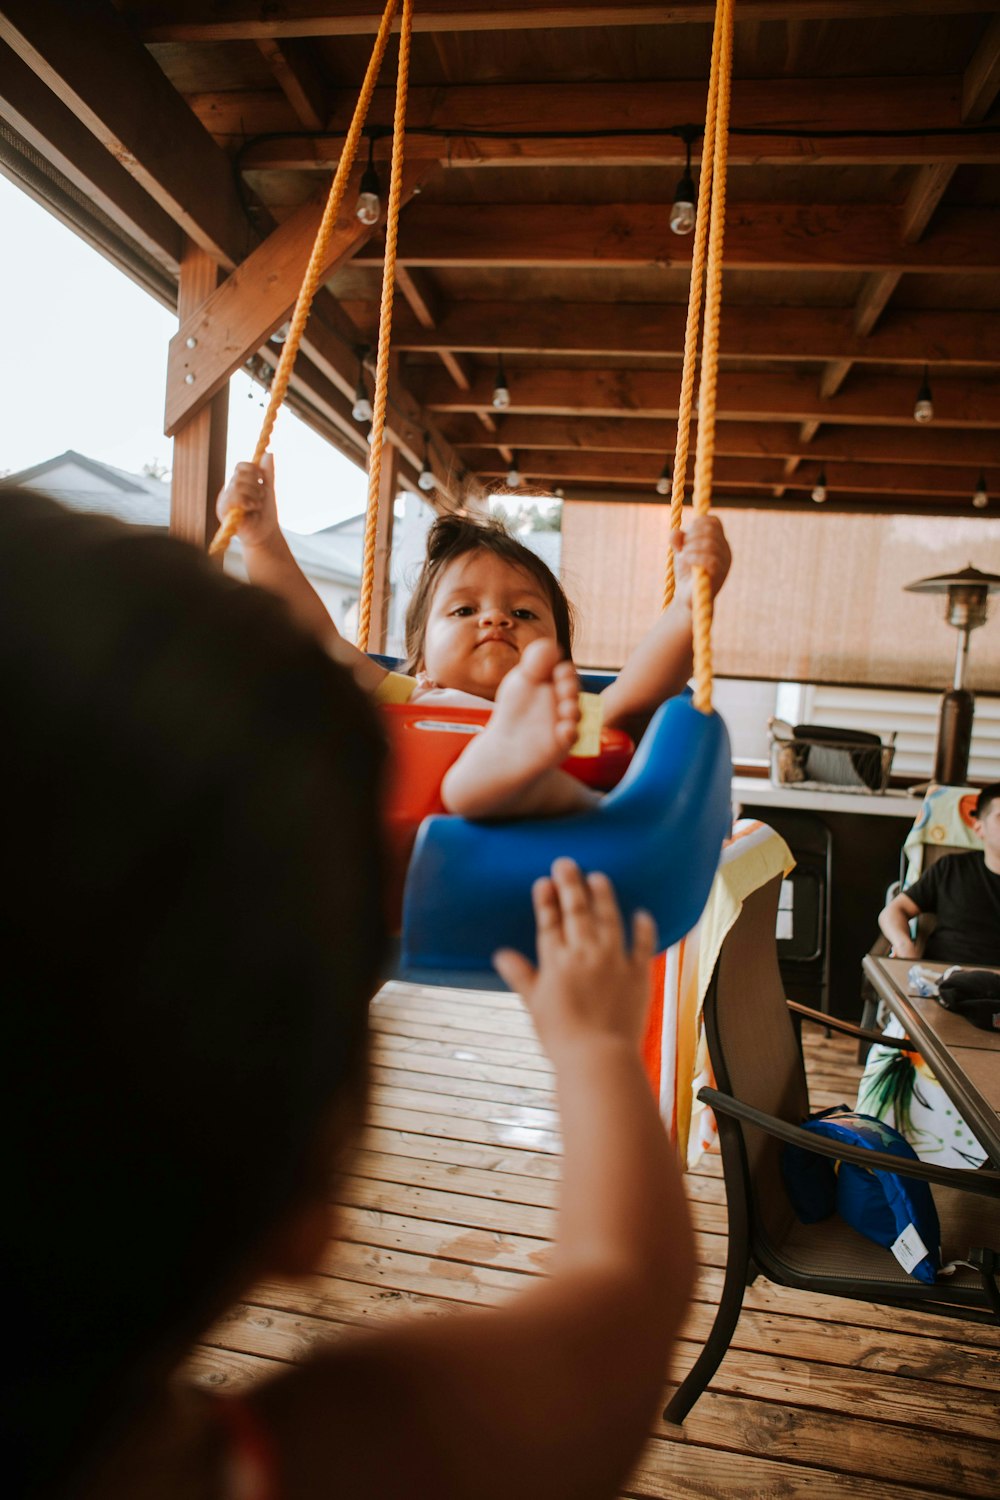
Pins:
<point x="657" y="836"/>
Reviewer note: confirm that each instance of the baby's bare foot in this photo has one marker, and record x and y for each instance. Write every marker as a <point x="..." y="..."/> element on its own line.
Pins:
<point x="506" y="771"/>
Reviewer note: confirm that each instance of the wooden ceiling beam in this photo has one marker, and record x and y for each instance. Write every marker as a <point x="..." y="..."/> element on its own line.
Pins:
<point x="255" y="300"/>
<point x="772" y="236"/>
<point x="300" y="80"/>
<point x="245" y="115"/>
<point x="981" y="82"/>
<point x="41" y="119"/>
<point x="442" y="123"/>
<point x="778" y="440"/>
<point x="923" y="198"/>
<point x="406" y="421"/>
<point x="735" y="497"/>
<point x="980" y="85"/>
<point x="321" y="403"/>
<point x="872" y="399"/>
<point x="833" y="377"/>
<point x="604" y="329"/>
<point x="259" y="295"/>
<point x="249" y="20"/>
<point x="424" y="304"/>
<point x="86" y="53"/>
<point x="421" y="296"/>
<point x="873" y="301"/>
<point x="564" y="466"/>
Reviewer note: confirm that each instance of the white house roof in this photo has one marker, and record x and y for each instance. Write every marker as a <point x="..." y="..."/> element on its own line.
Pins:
<point x="86" y="484"/>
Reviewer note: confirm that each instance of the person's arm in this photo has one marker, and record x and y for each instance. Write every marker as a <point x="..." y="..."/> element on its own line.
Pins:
<point x="894" y="920"/>
<point x="271" y="565"/>
<point x="551" y="1395"/>
<point x="661" y="663"/>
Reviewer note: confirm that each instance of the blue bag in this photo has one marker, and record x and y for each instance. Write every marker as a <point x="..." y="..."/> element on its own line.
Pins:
<point x="894" y="1211"/>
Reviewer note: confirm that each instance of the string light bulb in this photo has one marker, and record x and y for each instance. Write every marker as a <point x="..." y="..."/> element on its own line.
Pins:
<point x="513" y="473"/>
<point x="361" y="411"/>
<point x="369" y="204"/>
<point x="819" y="488"/>
<point x="501" y="392"/>
<point x="665" y="481"/>
<point x="980" y="498"/>
<point x="682" y="215"/>
<point x="923" y="410"/>
<point x="425" y="478"/>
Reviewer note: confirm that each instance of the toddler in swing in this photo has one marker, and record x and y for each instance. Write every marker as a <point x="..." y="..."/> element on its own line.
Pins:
<point x="183" y="1070"/>
<point x="489" y="623"/>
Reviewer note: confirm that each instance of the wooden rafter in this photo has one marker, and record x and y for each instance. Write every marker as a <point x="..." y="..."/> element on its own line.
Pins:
<point x="423" y="301"/>
<point x="980" y="85"/>
<point x="54" y="131"/>
<point x="764" y="498"/>
<point x="186" y="20"/>
<point x="562" y="466"/>
<point x="294" y="67"/>
<point x="773" y="236"/>
<point x="90" y="59"/>
<point x="871" y="399"/>
<point x="518" y="111"/>
<point x="774" y="439"/>
<point x="607" y="329"/>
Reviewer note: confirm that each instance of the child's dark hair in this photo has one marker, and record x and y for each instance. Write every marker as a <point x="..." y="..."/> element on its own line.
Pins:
<point x="986" y="798"/>
<point x="192" y="930"/>
<point x="453" y="536"/>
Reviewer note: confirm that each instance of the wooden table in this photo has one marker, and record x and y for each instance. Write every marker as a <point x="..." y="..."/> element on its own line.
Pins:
<point x="965" y="1059"/>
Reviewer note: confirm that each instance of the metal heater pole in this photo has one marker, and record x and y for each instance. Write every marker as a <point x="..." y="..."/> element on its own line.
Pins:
<point x="951" y="760"/>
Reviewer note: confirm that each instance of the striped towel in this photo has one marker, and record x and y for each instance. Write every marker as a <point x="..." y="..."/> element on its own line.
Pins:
<point x="675" y="1048"/>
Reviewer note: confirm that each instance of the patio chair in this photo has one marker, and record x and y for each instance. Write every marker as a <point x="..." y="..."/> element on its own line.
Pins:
<point x="762" y="1096"/>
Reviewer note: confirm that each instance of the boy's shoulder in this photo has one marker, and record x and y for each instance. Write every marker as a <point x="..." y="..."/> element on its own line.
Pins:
<point x="952" y="871"/>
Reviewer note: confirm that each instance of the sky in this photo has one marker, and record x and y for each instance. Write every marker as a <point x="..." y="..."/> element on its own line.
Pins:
<point x="85" y="366"/>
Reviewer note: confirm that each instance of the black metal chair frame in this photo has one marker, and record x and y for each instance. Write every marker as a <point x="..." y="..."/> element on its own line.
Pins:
<point x="750" y="1250"/>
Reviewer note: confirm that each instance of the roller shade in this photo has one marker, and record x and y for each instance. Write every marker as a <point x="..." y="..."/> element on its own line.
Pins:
<point x="812" y="597"/>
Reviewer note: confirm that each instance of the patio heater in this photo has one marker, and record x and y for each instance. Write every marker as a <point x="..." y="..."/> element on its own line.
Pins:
<point x="968" y="592"/>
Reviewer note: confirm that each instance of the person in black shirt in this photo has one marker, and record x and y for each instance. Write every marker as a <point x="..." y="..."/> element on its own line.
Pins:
<point x="963" y="891"/>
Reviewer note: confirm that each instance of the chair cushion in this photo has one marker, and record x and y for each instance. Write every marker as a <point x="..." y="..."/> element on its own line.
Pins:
<point x="894" y="1211"/>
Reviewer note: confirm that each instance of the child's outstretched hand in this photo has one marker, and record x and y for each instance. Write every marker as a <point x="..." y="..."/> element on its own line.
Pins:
<point x="703" y="545"/>
<point x="251" y="490"/>
<point x="585" y="983"/>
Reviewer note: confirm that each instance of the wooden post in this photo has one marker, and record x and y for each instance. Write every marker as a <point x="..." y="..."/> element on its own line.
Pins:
<point x="388" y="481"/>
<point x="199" y="464"/>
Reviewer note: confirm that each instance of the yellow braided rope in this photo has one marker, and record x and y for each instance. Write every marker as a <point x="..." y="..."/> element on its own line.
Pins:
<point x="385" y="329"/>
<point x="708" y="387"/>
<point x="315" y="269"/>
<point x="690" y="364"/>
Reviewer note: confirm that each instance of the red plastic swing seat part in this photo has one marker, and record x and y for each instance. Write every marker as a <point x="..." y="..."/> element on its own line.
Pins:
<point x="426" y="741"/>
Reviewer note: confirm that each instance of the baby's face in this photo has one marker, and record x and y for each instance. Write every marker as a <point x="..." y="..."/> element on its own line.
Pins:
<point x="483" y="613"/>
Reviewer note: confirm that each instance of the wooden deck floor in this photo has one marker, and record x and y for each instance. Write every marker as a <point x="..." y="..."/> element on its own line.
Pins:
<point x="452" y="1201"/>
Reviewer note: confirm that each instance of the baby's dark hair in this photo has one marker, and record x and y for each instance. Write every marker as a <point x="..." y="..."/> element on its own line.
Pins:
<point x="192" y="930"/>
<point x="986" y="798"/>
<point x="453" y="536"/>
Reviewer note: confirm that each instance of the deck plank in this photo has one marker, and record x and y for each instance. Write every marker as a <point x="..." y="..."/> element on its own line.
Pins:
<point x="450" y="1201"/>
